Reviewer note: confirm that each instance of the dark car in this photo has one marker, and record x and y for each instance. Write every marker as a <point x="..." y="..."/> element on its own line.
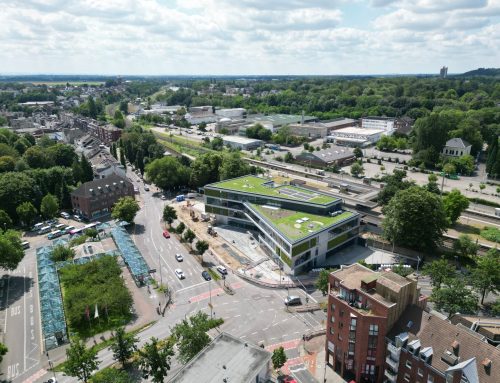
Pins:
<point x="206" y="275"/>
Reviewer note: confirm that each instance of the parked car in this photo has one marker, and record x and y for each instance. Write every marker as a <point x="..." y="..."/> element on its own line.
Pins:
<point x="180" y="274"/>
<point x="221" y="269"/>
<point x="292" y="300"/>
<point x="55" y="234"/>
<point x="163" y="197"/>
<point x="206" y="276"/>
<point x="65" y="215"/>
<point x="76" y="217"/>
<point x="146" y="188"/>
<point x="179" y="257"/>
<point x="166" y="234"/>
<point x="25" y="245"/>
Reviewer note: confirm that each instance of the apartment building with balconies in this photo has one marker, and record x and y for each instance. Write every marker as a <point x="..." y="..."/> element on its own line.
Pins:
<point x="298" y="227"/>
<point x="363" y="305"/>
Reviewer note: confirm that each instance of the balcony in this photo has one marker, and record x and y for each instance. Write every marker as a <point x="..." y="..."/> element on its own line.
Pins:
<point x="394" y="365"/>
<point x="390" y="376"/>
<point x="395" y="351"/>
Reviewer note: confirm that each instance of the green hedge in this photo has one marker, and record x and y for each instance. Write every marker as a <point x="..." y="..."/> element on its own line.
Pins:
<point x="484" y="202"/>
<point x="300" y="248"/>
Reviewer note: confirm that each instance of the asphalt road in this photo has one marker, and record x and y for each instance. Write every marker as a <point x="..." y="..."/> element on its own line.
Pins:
<point x="20" y="320"/>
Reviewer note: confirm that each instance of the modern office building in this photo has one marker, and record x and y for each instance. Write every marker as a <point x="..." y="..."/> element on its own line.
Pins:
<point x="423" y="347"/>
<point x="363" y="305"/>
<point x="384" y="123"/>
<point x="94" y="199"/>
<point x="355" y="137"/>
<point x="297" y="227"/>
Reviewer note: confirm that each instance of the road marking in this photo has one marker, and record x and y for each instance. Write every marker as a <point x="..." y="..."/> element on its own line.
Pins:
<point x="237" y="316"/>
<point x="24" y="312"/>
<point x="6" y="304"/>
<point x="35" y="376"/>
<point x="192" y="286"/>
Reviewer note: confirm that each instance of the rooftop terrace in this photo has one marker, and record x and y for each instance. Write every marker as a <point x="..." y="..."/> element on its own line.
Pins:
<point x="296" y="225"/>
<point x="261" y="186"/>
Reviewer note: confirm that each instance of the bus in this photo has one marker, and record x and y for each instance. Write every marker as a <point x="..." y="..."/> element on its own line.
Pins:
<point x="81" y="230"/>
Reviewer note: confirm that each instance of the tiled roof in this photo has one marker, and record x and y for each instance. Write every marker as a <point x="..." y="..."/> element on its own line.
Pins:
<point x="457" y="143"/>
<point x="113" y="181"/>
<point x="440" y="334"/>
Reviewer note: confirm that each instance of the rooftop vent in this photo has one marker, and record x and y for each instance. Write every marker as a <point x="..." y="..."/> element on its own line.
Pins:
<point x="449" y="358"/>
<point x="456" y="346"/>
<point x="91" y="190"/>
<point x="486" y="363"/>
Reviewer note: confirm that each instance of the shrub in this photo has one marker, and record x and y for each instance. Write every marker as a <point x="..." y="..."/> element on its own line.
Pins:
<point x="491" y="234"/>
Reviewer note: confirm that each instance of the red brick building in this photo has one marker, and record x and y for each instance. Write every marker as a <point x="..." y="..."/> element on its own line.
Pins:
<point x="362" y="306"/>
<point x="425" y="348"/>
<point x="93" y="200"/>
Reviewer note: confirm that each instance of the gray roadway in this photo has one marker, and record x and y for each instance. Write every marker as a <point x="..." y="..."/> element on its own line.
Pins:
<point x="20" y="319"/>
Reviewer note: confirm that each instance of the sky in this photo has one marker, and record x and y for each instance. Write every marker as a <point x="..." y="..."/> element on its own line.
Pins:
<point x="253" y="37"/>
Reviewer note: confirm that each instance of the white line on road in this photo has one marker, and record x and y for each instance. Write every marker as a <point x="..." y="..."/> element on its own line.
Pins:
<point x="192" y="286"/>
<point x="24" y="312"/>
<point x="6" y="304"/>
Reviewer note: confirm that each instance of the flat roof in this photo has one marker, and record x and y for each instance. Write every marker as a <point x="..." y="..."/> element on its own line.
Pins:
<point x="226" y="358"/>
<point x="240" y="140"/>
<point x="354" y="130"/>
<point x="261" y="186"/>
<point x="296" y="225"/>
<point x="280" y="119"/>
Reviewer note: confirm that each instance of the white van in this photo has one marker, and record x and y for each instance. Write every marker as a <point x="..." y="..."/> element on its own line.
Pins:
<point x="44" y="229"/>
<point x="60" y="226"/>
<point x="38" y="226"/>
<point x="25" y="244"/>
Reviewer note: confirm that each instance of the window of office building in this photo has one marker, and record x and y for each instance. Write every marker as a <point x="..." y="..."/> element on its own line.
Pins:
<point x="332" y="331"/>
<point x="430" y="378"/>
<point x="371" y="354"/>
<point x="332" y="319"/>
<point x="408" y="364"/>
<point x="351" y="348"/>
<point x="407" y="378"/>
<point x="420" y="372"/>
<point x="332" y="307"/>
<point x="353" y="325"/>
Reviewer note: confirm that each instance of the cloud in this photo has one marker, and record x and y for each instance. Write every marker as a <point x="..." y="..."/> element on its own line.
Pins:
<point x="246" y="36"/>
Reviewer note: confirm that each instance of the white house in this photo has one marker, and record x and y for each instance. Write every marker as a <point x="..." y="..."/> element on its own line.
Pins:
<point x="456" y="147"/>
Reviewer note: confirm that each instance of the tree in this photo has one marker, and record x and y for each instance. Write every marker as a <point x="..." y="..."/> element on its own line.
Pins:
<point x="111" y="375"/>
<point x="189" y="236"/>
<point x="465" y="246"/>
<point x="26" y="213"/>
<point x="449" y="168"/>
<point x="80" y="361"/>
<point x="118" y="119"/>
<point x="233" y="166"/>
<point x="439" y="271"/>
<point x="154" y="359"/>
<point x="202" y="127"/>
<point x="358" y="152"/>
<point x="169" y="214"/>
<point x="180" y="228"/>
<point x="11" y="250"/>
<point x="393" y="183"/>
<point x="62" y="253"/>
<point x="485" y="277"/>
<point x="454" y="204"/>
<point x="201" y="247"/>
<point x="167" y="173"/>
<point x="401" y="270"/>
<point x="65" y="196"/>
<point x="91" y="233"/>
<point x="125" y="209"/>
<point x="49" y="206"/>
<point x="482" y="186"/>
<point x="205" y="169"/>
<point x="453" y="297"/>
<point x="288" y="157"/>
<point x="113" y="150"/>
<point x="124" y="345"/>
<point x="36" y="157"/>
<point x="122" y="158"/>
<point x="322" y="281"/>
<point x="5" y="221"/>
<point x="191" y="334"/>
<point x="16" y="188"/>
<point x="87" y="171"/>
<point x="3" y="351"/>
<point x="416" y="218"/>
<point x="278" y="358"/>
<point x="7" y="164"/>
<point x="124" y="107"/>
<point x="61" y="154"/>
<point x="357" y="169"/>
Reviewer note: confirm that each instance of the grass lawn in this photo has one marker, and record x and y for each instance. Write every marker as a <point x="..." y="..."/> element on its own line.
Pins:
<point x="286" y="221"/>
<point x="96" y="283"/>
<point x="252" y="184"/>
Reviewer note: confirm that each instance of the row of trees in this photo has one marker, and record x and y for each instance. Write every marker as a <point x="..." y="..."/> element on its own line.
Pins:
<point x="154" y="359"/>
<point x="171" y="173"/>
<point x="453" y="293"/>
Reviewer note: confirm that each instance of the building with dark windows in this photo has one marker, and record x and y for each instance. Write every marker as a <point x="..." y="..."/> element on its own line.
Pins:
<point x="94" y="199"/>
<point x="299" y="228"/>
<point x="363" y="305"/>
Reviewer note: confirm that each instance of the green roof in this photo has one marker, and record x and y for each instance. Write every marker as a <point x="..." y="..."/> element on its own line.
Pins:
<point x="295" y="224"/>
<point x="261" y="186"/>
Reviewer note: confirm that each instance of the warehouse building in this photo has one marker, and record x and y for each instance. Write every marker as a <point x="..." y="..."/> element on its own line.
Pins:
<point x="243" y="143"/>
<point x="334" y="155"/>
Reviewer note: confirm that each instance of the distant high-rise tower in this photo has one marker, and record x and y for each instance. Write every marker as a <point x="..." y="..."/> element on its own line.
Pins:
<point x="443" y="73"/>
